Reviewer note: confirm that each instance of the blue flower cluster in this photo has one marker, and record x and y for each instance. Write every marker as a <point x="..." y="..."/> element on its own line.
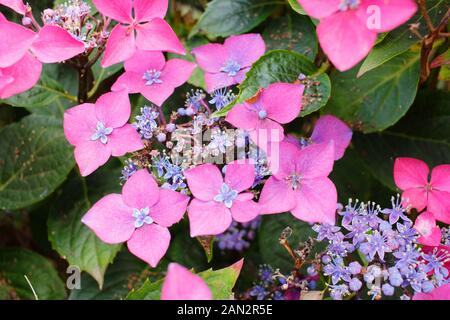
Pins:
<point x="128" y="170"/>
<point x="171" y="173"/>
<point x="385" y="242"/>
<point x="269" y="285"/>
<point x="146" y="123"/>
<point x="238" y="237"/>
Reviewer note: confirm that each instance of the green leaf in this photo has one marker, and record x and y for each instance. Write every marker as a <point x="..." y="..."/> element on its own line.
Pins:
<point x="271" y="228"/>
<point x="15" y="264"/>
<point x="378" y="99"/>
<point x="422" y="134"/>
<point x="220" y="282"/>
<point x="285" y="66"/>
<point x="75" y="242"/>
<point x="124" y="274"/>
<point x="207" y="243"/>
<point x="296" y="6"/>
<point x="401" y="39"/>
<point x="292" y="32"/>
<point x="224" y="18"/>
<point x="35" y="159"/>
<point x="101" y="74"/>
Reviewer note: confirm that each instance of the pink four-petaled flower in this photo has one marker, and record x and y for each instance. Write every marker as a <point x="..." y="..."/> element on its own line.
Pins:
<point x="140" y="216"/>
<point x="227" y="64"/>
<point x="100" y="130"/>
<point x="141" y="27"/>
<point x="218" y="201"/>
<point x="182" y="284"/>
<point x="348" y="28"/>
<point x="300" y="183"/>
<point x="411" y="176"/>
<point x="279" y="103"/>
<point x="149" y="74"/>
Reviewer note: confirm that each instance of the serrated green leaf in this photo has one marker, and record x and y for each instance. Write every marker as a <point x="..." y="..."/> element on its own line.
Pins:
<point x="35" y="159"/>
<point x="401" y="39"/>
<point x="378" y="99"/>
<point x="122" y="276"/>
<point x="75" y="242"/>
<point x="285" y="66"/>
<point x="292" y="32"/>
<point x="16" y="263"/>
<point x="224" y="18"/>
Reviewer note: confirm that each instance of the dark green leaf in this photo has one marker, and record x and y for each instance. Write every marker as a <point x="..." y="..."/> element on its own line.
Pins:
<point x="378" y="99"/>
<point x="15" y="264"/>
<point x="224" y="18"/>
<point x="35" y="159"/>
<point x="296" y="6"/>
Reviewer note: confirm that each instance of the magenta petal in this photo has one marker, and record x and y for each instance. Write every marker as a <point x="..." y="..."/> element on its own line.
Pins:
<point x="211" y="57"/>
<point x="17" y="5"/>
<point x="316" y="160"/>
<point x="316" y="201"/>
<point x="24" y="74"/>
<point x="157" y="35"/>
<point x="113" y="109"/>
<point x="242" y="116"/>
<point x="181" y="284"/>
<point x="142" y="61"/>
<point x="218" y="80"/>
<point x="440" y="177"/>
<point x="392" y="13"/>
<point x="204" y="181"/>
<point x="345" y="39"/>
<point x="330" y="128"/>
<point x="320" y="8"/>
<point x="240" y="175"/>
<point x="110" y="219"/>
<point x="80" y="123"/>
<point x="267" y="131"/>
<point x="124" y="140"/>
<point x="245" y="49"/>
<point x="240" y="77"/>
<point x="441" y="293"/>
<point x="208" y="218"/>
<point x="276" y="197"/>
<point x="410" y="173"/>
<point x="4" y="81"/>
<point x="283" y="163"/>
<point x="15" y="40"/>
<point x="439" y="205"/>
<point x="55" y="44"/>
<point x="157" y="93"/>
<point x="282" y="101"/>
<point x="145" y="10"/>
<point x="91" y="155"/>
<point x="244" y="211"/>
<point x="150" y="243"/>
<point x="119" y="10"/>
<point x="170" y="208"/>
<point x="415" y="197"/>
<point x="131" y="82"/>
<point x="176" y="72"/>
<point x="425" y="224"/>
<point x="121" y="46"/>
<point x="141" y="190"/>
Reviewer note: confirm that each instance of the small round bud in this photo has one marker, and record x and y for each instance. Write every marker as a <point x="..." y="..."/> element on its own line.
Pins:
<point x="181" y="111"/>
<point x="388" y="290"/>
<point x="161" y="137"/>
<point x="26" y="21"/>
<point x="355" y="284"/>
<point x="170" y="127"/>
<point x="190" y="112"/>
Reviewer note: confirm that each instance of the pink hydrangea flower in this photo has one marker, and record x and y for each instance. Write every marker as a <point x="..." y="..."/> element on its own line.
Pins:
<point x="16" y="5"/>
<point x="22" y="51"/>
<point x="145" y="29"/>
<point x="301" y="184"/>
<point x="149" y="74"/>
<point x="219" y="201"/>
<point x="227" y="64"/>
<point x="411" y="176"/>
<point x="181" y="284"/>
<point x="348" y="28"/>
<point x="327" y="128"/>
<point x="141" y="216"/>
<point x="440" y="293"/>
<point x="100" y="130"/>
<point x="431" y="234"/>
<point x="262" y="117"/>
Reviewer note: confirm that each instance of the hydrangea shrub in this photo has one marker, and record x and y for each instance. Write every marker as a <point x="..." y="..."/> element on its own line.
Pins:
<point x="198" y="150"/>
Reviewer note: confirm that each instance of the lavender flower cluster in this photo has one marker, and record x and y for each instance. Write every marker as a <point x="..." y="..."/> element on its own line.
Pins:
<point x="239" y="236"/>
<point x="379" y="247"/>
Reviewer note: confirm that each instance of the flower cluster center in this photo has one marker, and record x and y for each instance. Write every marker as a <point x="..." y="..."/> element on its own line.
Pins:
<point x="142" y="217"/>
<point x="231" y="67"/>
<point x="226" y="195"/>
<point x="152" y="77"/>
<point x="101" y="133"/>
